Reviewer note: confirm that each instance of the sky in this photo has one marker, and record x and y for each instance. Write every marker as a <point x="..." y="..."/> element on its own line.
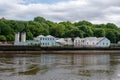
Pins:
<point x="95" y="11"/>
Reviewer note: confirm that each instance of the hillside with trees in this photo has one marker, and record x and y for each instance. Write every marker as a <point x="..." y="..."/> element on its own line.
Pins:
<point x="62" y="29"/>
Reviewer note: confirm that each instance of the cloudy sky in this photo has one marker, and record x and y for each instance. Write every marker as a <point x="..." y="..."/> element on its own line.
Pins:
<point x="96" y="11"/>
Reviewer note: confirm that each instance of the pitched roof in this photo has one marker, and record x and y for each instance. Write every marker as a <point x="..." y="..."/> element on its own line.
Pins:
<point x="100" y="39"/>
<point x="77" y="38"/>
<point x="90" y="38"/>
<point x="40" y="36"/>
<point x="49" y="36"/>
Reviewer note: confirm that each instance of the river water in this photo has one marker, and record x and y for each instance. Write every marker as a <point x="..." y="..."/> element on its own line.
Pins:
<point x="60" y="67"/>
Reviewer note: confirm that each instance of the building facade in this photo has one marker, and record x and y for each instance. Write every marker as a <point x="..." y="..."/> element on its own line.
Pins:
<point x="77" y="42"/>
<point x="46" y="41"/>
<point x="91" y="42"/>
<point x="103" y="42"/>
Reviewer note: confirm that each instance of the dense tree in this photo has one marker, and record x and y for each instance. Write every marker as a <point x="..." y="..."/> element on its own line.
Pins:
<point x="19" y="27"/>
<point x="39" y="19"/>
<point x="75" y="33"/>
<point x="29" y="36"/>
<point x="83" y="23"/>
<point x="4" y="29"/>
<point x="99" y="32"/>
<point x="100" y="26"/>
<point x="110" y="35"/>
<point x="2" y="38"/>
<point x="10" y="37"/>
<point x="111" y="25"/>
<point x="87" y="30"/>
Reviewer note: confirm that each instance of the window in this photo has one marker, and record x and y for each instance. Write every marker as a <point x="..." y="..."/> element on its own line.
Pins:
<point x="106" y="43"/>
<point x="40" y="38"/>
<point x="87" y="42"/>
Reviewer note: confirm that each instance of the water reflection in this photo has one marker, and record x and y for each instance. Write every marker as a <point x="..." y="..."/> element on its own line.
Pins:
<point x="60" y="67"/>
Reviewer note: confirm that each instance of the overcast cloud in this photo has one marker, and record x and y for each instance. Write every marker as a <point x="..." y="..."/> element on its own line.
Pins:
<point x="96" y="11"/>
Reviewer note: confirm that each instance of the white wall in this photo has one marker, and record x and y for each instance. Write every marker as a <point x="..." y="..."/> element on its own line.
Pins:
<point x="104" y="43"/>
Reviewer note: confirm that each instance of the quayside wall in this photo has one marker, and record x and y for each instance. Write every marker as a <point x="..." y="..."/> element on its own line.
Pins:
<point x="38" y="48"/>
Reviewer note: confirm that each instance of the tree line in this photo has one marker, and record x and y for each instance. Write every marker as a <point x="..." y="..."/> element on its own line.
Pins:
<point x="62" y="29"/>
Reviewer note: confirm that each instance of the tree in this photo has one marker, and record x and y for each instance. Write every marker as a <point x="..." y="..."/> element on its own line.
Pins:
<point x="87" y="30"/>
<point x="99" y="32"/>
<point x="83" y="23"/>
<point x="39" y="19"/>
<point x="2" y="38"/>
<point x="111" y="25"/>
<point x="110" y="35"/>
<point x="29" y="36"/>
<point x="10" y="37"/>
<point x="100" y="26"/>
<point x="19" y="27"/>
<point x="4" y="29"/>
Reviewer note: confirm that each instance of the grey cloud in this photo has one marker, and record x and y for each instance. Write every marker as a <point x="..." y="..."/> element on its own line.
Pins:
<point x="72" y="10"/>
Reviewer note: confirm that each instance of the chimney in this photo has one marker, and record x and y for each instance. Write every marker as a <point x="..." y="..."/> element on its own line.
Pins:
<point x="17" y="37"/>
<point x="23" y="37"/>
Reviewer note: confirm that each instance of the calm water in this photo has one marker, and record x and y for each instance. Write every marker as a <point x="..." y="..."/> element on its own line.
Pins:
<point x="60" y="67"/>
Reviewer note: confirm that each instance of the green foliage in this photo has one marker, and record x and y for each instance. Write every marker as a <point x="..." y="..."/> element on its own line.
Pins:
<point x="63" y="29"/>
<point x="10" y="37"/>
<point x="111" y="25"/>
<point x="2" y="38"/>
<point x="39" y="19"/>
<point x="83" y="23"/>
<point x="99" y="32"/>
<point x="87" y="30"/>
<point x="29" y="36"/>
<point x="110" y="35"/>
<point x="4" y="29"/>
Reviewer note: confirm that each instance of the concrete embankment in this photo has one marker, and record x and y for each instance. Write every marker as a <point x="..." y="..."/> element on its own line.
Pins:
<point x="38" y="49"/>
<point x="61" y="52"/>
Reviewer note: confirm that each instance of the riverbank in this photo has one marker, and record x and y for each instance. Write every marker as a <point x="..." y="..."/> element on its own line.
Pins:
<point x="62" y="52"/>
<point x="38" y="49"/>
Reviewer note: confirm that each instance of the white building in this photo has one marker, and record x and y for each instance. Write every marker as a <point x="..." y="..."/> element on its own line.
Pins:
<point x="103" y="42"/>
<point x="77" y="42"/>
<point x="46" y="41"/>
<point x="91" y="42"/>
